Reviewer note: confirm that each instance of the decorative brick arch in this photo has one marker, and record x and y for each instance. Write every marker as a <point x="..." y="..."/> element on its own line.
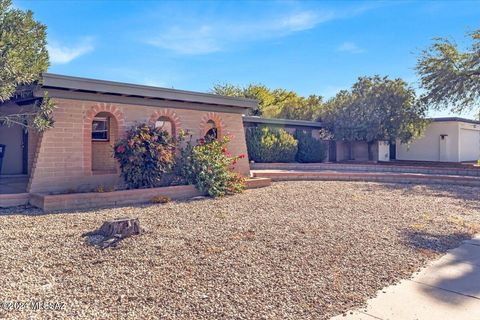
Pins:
<point x="170" y="115"/>
<point x="119" y="129"/>
<point x="219" y="124"/>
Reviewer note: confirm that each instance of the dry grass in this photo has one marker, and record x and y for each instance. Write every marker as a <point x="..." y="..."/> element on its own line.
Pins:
<point x="296" y="250"/>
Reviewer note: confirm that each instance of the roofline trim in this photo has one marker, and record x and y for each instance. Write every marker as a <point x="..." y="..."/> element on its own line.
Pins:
<point x="298" y="123"/>
<point x="51" y="80"/>
<point x="454" y="119"/>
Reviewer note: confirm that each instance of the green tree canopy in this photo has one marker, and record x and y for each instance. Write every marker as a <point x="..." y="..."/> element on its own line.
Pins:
<point x="275" y="103"/>
<point x="23" y="58"/>
<point x="451" y="77"/>
<point x="376" y="108"/>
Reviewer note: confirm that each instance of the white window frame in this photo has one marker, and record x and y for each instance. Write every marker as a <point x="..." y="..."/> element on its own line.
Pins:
<point x="107" y="128"/>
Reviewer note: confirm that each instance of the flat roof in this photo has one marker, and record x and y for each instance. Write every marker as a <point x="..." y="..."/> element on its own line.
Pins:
<point x="283" y="122"/>
<point x="457" y="119"/>
<point x="56" y="81"/>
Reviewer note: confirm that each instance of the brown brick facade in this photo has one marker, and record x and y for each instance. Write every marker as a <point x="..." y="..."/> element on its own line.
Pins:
<point x="67" y="159"/>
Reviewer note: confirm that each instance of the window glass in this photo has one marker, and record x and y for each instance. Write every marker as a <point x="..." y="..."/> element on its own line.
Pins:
<point x="165" y="124"/>
<point x="100" y="129"/>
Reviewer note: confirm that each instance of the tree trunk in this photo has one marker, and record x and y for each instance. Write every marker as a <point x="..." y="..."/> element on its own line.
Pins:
<point x="112" y="231"/>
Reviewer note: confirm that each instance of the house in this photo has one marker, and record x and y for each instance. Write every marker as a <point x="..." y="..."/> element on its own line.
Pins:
<point x="90" y="116"/>
<point x="445" y="139"/>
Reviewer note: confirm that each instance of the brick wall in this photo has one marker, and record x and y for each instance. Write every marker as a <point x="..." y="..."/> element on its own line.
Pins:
<point x="64" y="154"/>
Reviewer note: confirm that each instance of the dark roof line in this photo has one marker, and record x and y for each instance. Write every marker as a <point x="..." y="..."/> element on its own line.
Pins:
<point x="299" y="123"/>
<point x="445" y="119"/>
<point x="110" y="87"/>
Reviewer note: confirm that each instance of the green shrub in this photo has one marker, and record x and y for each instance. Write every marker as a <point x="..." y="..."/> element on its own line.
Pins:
<point x="145" y="155"/>
<point x="270" y="145"/>
<point x="309" y="148"/>
<point x="209" y="167"/>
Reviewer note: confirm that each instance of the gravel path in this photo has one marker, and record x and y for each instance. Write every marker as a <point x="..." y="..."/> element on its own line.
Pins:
<point x="295" y="250"/>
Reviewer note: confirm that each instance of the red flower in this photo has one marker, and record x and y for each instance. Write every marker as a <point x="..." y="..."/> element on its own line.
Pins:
<point x="241" y="156"/>
<point x="202" y="141"/>
<point x="120" y="149"/>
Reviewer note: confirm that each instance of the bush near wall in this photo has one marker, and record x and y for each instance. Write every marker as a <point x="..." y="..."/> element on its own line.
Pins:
<point x="145" y="156"/>
<point x="271" y="145"/>
<point x="309" y="148"/>
<point x="209" y="167"/>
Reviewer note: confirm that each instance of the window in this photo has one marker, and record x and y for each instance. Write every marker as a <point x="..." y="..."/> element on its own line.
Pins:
<point x="212" y="133"/>
<point x="100" y="129"/>
<point x="165" y="124"/>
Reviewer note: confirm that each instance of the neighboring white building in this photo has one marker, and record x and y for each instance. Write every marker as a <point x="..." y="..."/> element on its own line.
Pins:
<point x="446" y="140"/>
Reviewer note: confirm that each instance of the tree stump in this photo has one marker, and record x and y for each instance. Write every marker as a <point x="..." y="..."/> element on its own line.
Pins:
<point x="113" y="231"/>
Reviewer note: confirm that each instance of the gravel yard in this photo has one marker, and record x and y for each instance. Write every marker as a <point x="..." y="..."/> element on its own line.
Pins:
<point x="295" y="250"/>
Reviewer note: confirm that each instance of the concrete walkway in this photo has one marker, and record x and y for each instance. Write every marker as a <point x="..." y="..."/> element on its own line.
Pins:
<point x="448" y="288"/>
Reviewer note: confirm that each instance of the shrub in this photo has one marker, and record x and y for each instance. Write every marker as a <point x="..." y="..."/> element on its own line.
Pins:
<point x="160" y="199"/>
<point x="270" y="145"/>
<point x="209" y="167"/>
<point x="309" y="148"/>
<point x="145" y="155"/>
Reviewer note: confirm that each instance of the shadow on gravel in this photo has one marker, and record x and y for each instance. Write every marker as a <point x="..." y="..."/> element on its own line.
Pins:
<point x="434" y="242"/>
<point x="469" y="195"/>
<point x="458" y="271"/>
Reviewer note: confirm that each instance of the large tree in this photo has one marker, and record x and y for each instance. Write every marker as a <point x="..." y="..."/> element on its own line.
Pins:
<point x="376" y="108"/>
<point x="23" y="58"/>
<point x="451" y="76"/>
<point x="275" y="103"/>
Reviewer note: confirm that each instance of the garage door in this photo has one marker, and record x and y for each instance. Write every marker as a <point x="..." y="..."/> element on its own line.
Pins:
<point x="469" y="145"/>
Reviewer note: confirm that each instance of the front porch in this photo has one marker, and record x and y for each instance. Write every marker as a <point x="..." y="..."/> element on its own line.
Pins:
<point x="13" y="191"/>
<point x="12" y="184"/>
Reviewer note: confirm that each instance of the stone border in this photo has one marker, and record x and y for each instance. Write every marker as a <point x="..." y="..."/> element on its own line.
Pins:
<point x="123" y="197"/>
<point x="14" y="199"/>
<point x="278" y="175"/>
<point x="473" y="172"/>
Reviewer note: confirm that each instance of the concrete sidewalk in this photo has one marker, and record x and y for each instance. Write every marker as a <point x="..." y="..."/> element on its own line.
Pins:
<point x="448" y="288"/>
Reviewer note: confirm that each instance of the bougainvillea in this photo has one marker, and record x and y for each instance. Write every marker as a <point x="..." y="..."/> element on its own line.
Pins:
<point x="145" y="155"/>
<point x="209" y="166"/>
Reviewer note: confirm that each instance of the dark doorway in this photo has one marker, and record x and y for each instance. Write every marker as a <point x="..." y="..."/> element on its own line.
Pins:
<point x="332" y="151"/>
<point x="25" y="152"/>
<point x="393" y="151"/>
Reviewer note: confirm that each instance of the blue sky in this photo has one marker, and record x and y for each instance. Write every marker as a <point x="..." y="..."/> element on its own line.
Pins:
<point x="312" y="47"/>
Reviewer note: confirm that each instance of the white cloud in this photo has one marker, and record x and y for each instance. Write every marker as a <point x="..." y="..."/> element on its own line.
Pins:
<point x="208" y="38"/>
<point x="60" y="54"/>
<point x="199" y="41"/>
<point x="350" y="47"/>
<point x="303" y="21"/>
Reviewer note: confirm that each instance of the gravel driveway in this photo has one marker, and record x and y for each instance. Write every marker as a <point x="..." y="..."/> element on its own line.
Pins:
<point x="295" y="250"/>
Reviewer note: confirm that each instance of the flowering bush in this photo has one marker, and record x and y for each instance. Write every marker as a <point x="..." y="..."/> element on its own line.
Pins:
<point x="209" y="167"/>
<point x="145" y="155"/>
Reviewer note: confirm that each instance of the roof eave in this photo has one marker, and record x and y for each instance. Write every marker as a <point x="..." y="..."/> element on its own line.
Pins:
<point x="127" y="89"/>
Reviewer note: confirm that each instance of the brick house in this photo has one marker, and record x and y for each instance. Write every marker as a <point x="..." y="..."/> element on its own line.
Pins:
<point x="91" y="115"/>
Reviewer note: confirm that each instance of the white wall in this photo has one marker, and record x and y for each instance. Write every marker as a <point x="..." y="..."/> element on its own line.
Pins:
<point x="430" y="146"/>
<point x="469" y="142"/>
<point x="383" y="151"/>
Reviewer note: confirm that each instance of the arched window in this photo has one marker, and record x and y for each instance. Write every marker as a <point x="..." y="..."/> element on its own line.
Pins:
<point x="211" y="131"/>
<point x="166" y="124"/>
<point x="104" y="136"/>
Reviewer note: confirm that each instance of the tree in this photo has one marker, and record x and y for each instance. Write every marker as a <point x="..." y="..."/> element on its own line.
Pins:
<point x="376" y="108"/>
<point x="23" y="58"/>
<point x="275" y="103"/>
<point x="451" y="77"/>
